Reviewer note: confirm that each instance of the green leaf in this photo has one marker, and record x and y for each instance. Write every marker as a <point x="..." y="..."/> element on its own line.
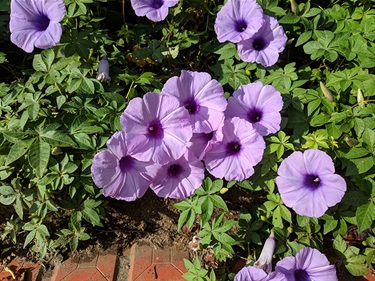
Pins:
<point x="39" y="156"/>
<point x="356" y="152"/>
<point x="357" y="269"/>
<point x="304" y="37"/>
<point x="365" y="215"/>
<point x="18" y="150"/>
<point x="91" y="216"/>
<point x="359" y="165"/>
<point x="58" y="138"/>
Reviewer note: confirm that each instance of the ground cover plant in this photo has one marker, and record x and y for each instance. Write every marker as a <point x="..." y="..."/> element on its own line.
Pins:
<point x="193" y="100"/>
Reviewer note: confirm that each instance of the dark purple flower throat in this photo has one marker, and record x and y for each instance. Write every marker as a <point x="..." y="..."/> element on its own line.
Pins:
<point x="260" y="44"/>
<point x="155" y="129"/>
<point x="240" y="25"/>
<point x="312" y="182"/>
<point x="126" y="163"/>
<point x="301" y="275"/>
<point x="174" y="170"/>
<point x="157" y="4"/>
<point x="254" y="115"/>
<point x="41" y="22"/>
<point x="233" y="148"/>
<point x="192" y="106"/>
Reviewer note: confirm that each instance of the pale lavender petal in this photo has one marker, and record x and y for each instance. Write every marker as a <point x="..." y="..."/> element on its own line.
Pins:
<point x="179" y="179"/>
<point x="155" y="10"/>
<point x="250" y="273"/>
<point x="258" y="104"/>
<point x="157" y="128"/>
<point x="264" y="47"/>
<point x="238" y="20"/>
<point x="202" y="96"/>
<point x="235" y="156"/>
<point x="120" y="175"/>
<point x="307" y="183"/>
<point x="36" y="23"/>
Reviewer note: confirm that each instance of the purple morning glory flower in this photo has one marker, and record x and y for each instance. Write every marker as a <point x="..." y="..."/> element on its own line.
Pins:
<point x="238" y="20"/>
<point x="155" y="10"/>
<point x="157" y="128"/>
<point x="308" y="264"/>
<point x="265" y="45"/>
<point x="103" y="71"/>
<point x="258" y="104"/>
<point x="251" y="273"/>
<point x="240" y="150"/>
<point x="179" y="179"/>
<point x="36" y="23"/>
<point x="307" y="183"/>
<point x="120" y="175"/>
<point x="202" y="96"/>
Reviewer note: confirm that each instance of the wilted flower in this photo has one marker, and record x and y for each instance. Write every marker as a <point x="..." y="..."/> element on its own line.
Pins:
<point x="155" y="10"/>
<point x="103" y="72"/>
<point x="179" y="179"/>
<point x="307" y="183"/>
<point x="251" y="273"/>
<point x="264" y="46"/>
<point x="260" y="105"/>
<point x="202" y="96"/>
<point x="238" y="20"/>
<point x="157" y="128"/>
<point x="36" y="23"/>
<point x="120" y="175"/>
<point x="265" y="259"/>
<point x="308" y="264"/>
<point x="240" y="150"/>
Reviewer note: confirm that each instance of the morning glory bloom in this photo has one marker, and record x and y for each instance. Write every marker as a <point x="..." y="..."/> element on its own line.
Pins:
<point x="103" y="72"/>
<point x="36" y="23"/>
<point x="308" y="264"/>
<point x="157" y="128"/>
<point x="265" y="45"/>
<point x="234" y="157"/>
<point x="120" y="175"/>
<point x="202" y="96"/>
<point x="251" y="273"/>
<point x="155" y="10"/>
<point x="308" y="184"/>
<point x="201" y="143"/>
<point x="265" y="259"/>
<point x="238" y="20"/>
<point x="179" y="179"/>
<point x="260" y="105"/>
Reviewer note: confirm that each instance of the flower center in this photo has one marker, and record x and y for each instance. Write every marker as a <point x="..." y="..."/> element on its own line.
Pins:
<point x="301" y="275"/>
<point x="255" y="115"/>
<point x="312" y="181"/>
<point x="157" y="4"/>
<point x="174" y="170"/>
<point x="259" y="44"/>
<point x="233" y="148"/>
<point x="41" y="22"/>
<point x="192" y="106"/>
<point x="208" y="136"/>
<point x="155" y="129"/>
<point x="126" y="163"/>
<point x="241" y="25"/>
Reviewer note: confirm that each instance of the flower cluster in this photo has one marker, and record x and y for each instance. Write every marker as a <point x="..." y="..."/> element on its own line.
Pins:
<point x="260" y="38"/>
<point x="308" y="264"/>
<point x="166" y="136"/>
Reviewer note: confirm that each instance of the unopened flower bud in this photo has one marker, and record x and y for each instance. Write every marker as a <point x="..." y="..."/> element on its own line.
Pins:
<point x="294" y="6"/>
<point x="103" y="72"/>
<point x="265" y="259"/>
<point x="56" y="151"/>
<point x="327" y="93"/>
<point x="360" y="99"/>
<point x="223" y="190"/>
<point x="351" y="142"/>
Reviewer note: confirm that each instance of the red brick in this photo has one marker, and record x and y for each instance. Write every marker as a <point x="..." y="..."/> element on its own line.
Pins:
<point x="64" y="269"/>
<point x="177" y="259"/>
<point x="86" y="274"/>
<point x="88" y="263"/>
<point x="140" y="259"/>
<point x="161" y="256"/>
<point x="107" y="265"/>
